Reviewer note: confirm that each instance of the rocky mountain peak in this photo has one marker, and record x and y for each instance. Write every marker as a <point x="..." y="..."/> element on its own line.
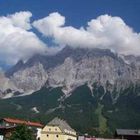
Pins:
<point x="15" y="68"/>
<point x="73" y="67"/>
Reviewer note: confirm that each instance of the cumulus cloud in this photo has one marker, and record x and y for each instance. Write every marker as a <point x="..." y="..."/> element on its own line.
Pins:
<point x="21" y="19"/>
<point x="16" y="42"/>
<point x="105" y="32"/>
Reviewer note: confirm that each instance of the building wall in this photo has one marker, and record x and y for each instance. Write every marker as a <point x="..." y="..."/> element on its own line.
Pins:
<point x="52" y="129"/>
<point x="55" y="133"/>
<point x="49" y="136"/>
<point x="4" y="124"/>
<point x="38" y="133"/>
<point x="1" y="137"/>
<point x="106" y="139"/>
<point x="93" y="138"/>
<point x="68" y="137"/>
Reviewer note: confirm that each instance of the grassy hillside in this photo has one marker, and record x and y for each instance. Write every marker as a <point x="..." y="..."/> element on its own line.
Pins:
<point x="86" y="111"/>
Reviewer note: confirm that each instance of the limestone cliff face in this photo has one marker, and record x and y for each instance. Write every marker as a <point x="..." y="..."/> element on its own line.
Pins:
<point x="29" y="79"/>
<point x="6" y="86"/>
<point x="71" y="68"/>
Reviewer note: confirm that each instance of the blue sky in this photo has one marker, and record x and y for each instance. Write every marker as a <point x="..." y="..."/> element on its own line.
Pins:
<point x="77" y="12"/>
<point x="70" y="14"/>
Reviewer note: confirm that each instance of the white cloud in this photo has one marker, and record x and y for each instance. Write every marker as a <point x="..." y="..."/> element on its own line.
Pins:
<point x="50" y="25"/>
<point x="104" y="32"/>
<point x="21" y="19"/>
<point x="15" y="41"/>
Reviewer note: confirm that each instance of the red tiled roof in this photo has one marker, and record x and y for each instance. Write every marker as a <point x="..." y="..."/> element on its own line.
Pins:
<point x="28" y="123"/>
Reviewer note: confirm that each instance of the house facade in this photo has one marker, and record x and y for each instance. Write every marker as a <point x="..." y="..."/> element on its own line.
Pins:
<point x="129" y="134"/>
<point x="94" y="138"/>
<point x="5" y="132"/>
<point x="58" y="129"/>
<point x="7" y="126"/>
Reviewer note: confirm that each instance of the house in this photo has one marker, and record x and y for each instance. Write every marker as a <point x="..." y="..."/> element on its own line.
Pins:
<point x="86" y="138"/>
<point x="129" y="134"/>
<point x="7" y="126"/>
<point x="5" y="132"/>
<point x="58" y="129"/>
<point x="93" y="138"/>
<point x="14" y="122"/>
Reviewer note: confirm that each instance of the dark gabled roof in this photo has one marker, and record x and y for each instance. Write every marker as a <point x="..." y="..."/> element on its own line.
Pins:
<point x="128" y="132"/>
<point x="61" y="123"/>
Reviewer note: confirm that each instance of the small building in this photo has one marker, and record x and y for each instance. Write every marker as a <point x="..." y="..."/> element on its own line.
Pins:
<point x="94" y="138"/>
<point x="86" y="138"/>
<point x="14" y="122"/>
<point x="58" y="129"/>
<point x="7" y="126"/>
<point x="5" y="132"/>
<point x="128" y="134"/>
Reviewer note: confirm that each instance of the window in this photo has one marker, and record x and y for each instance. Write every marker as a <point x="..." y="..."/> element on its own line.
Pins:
<point x="49" y="129"/>
<point x="57" y="136"/>
<point x="55" y="129"/>
<point x="7" y="124"/>
<point x="47" y="135"/>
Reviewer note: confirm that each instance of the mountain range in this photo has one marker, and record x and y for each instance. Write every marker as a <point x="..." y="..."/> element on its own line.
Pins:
<point x="69" y="69"/>
<point x="95" y="90"/>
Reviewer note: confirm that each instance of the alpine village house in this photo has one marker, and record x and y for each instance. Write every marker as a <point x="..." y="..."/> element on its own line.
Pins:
<point x="58" y="129"/>
<point x="8" y="125"/>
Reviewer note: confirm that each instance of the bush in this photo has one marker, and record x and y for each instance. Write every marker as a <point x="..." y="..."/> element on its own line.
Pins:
<point x="22" y="132"/>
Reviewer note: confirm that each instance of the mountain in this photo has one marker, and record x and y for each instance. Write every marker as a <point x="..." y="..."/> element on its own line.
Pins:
<point x="84" y="110"/>
<point x="95" y="90"/>
<point x="71" y="68"/>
